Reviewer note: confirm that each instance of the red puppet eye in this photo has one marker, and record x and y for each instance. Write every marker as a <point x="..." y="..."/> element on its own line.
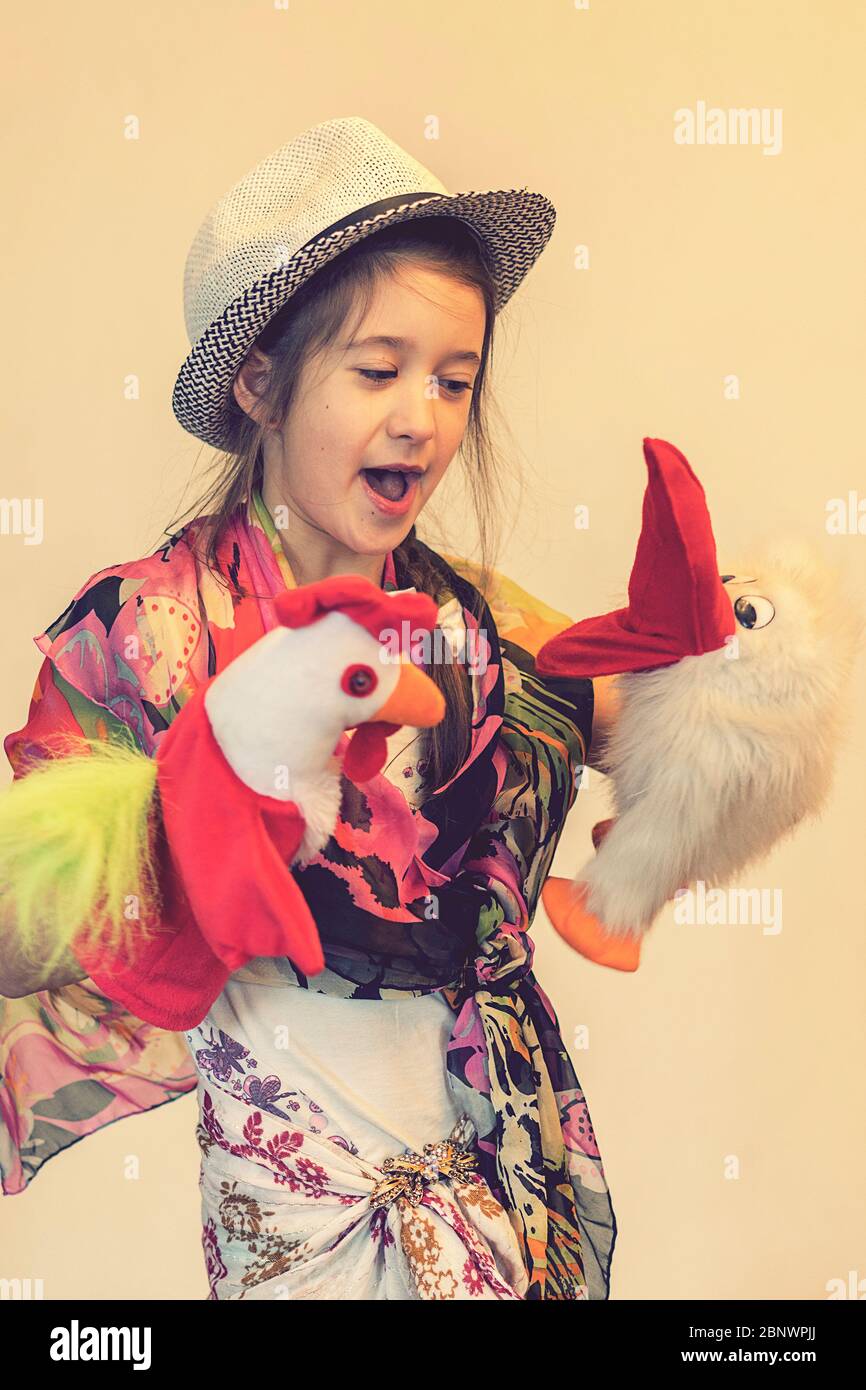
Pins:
<point x="359" y="680"/>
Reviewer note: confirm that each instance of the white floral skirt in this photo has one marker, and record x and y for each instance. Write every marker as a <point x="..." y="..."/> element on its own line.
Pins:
<point x="290" y="1213"/>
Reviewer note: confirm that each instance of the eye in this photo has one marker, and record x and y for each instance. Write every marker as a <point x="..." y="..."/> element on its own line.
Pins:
<point x="376" y="374"/>
<point x="459" y="388"/>
<point x="359" y="680"/>
<point x="753" y="611"/>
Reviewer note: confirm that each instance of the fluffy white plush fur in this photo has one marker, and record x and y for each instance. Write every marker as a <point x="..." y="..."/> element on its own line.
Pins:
<point x="717" y="758"/>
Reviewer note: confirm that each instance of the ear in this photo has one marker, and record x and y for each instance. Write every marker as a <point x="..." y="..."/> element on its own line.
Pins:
<point x="251" y="382"/>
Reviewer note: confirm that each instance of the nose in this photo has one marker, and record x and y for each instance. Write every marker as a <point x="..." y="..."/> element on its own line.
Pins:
<point x="412" y="411"/>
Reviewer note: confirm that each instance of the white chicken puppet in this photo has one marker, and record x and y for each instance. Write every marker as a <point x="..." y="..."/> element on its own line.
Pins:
<point x="247" y="784"/>
<point x="732" y="703"/>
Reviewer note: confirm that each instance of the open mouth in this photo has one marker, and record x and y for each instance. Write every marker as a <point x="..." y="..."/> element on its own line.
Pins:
<point x="389" y="482"/>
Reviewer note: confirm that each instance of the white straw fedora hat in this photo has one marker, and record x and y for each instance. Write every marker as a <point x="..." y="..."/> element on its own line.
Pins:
<point x="327" y="189"/>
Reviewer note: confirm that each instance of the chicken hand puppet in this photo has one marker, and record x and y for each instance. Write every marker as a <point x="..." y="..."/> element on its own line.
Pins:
<point x="163" y="875"/>
<point x="733" y="694"/>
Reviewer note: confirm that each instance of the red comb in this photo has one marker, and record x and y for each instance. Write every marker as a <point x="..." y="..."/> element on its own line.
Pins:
<point x="361" y="600"/>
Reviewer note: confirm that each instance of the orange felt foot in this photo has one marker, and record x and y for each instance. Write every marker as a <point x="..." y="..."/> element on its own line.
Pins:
<point x="563" y="901"/>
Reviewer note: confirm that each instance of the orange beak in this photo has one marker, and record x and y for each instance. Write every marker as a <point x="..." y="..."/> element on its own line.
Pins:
<point x="415" y="700"/>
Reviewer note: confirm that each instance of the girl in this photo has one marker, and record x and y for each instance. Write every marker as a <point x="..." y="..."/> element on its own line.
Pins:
<point x="407" y="1123"/>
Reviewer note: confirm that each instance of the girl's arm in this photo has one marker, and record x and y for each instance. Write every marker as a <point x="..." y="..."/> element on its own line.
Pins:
<point x="20" y="977"/>
<point x="607" y="701"/>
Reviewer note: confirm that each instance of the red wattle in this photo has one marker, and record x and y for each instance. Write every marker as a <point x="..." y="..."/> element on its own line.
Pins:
<point x="367" y="751"/>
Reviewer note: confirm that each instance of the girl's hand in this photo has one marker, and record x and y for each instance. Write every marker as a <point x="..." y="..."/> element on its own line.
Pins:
<point x="607" y="701"/>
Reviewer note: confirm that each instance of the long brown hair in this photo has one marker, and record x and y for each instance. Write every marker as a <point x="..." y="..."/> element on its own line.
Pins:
<point x="311" y="319"/>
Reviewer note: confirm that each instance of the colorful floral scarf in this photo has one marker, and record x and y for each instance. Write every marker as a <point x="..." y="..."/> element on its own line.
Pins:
<point x="407" y="900"/>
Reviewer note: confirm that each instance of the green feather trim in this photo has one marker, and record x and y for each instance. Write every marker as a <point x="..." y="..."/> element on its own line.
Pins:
<point x="76" y="850"/>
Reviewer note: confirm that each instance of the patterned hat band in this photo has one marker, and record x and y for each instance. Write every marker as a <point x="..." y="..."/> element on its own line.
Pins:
<point x="373" y="210"/>
<point x="308" y="202"/>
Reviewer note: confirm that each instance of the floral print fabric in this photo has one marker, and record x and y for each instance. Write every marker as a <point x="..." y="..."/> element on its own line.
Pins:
<point x="288" y="1213"/>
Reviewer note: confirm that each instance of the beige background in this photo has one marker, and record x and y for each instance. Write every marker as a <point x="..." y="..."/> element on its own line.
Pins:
<point x="704" y="261"/>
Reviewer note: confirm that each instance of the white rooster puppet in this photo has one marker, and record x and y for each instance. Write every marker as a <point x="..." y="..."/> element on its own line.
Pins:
<point x="201" y="837"/>
<point x="732" y="703"/>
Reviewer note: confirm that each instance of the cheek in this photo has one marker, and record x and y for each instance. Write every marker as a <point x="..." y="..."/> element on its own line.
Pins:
<point x="449" y="444"/>
<point x="320" y="451"/>
<point x="339" y="438"/>
<point x="434" y="477"/>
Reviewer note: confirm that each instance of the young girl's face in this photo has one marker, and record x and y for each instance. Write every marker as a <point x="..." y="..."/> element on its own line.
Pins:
<point x="375" y="405"/>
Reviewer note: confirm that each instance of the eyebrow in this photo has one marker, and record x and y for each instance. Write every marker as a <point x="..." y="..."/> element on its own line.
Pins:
<point x="388" y="340"/>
